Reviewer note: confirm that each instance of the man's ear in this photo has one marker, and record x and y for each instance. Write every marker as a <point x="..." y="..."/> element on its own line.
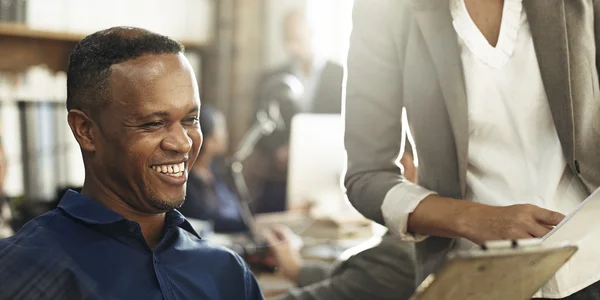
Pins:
<point x="82" y="127"/>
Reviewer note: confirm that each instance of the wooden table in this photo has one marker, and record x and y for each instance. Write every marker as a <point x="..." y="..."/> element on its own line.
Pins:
<point x="274" y="285"/>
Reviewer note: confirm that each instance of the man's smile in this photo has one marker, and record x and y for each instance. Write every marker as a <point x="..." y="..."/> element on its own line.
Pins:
<point x="171" y="173"/>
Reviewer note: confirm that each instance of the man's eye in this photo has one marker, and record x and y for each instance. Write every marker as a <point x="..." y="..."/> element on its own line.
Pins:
<point x="192" y="120"/>
<point x="152" y="124"/>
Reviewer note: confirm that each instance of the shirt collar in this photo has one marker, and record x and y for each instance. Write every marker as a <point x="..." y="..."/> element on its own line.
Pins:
<point x="174" y="218"/>
<point x="89" y="211"/>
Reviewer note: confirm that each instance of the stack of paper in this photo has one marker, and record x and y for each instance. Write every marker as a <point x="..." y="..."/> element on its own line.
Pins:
<point x="577" y="224"/>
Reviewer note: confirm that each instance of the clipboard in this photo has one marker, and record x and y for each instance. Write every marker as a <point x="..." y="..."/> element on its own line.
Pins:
<point x="506" y="270"/>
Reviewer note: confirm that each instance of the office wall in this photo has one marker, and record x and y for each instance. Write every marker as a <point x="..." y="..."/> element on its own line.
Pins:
<point x="181" y="19"/>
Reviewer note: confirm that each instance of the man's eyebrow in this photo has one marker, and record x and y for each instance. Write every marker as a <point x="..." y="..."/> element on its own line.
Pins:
<point x="154" y="114"/>
<point x="194" y="109"/>
<point x="164" y="114"/>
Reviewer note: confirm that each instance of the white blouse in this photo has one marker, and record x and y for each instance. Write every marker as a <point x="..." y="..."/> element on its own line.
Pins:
<point x="515" y="156"/>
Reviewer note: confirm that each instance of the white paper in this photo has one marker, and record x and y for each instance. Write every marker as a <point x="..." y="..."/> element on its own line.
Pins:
<point x="584" y="219"/>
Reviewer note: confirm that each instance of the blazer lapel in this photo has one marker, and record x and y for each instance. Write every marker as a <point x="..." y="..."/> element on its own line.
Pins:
<point x="547" y="21"/>
<point x="435" y="22"/>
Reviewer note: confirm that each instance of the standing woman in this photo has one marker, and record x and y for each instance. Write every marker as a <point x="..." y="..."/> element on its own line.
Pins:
<point x="504" y="107"/>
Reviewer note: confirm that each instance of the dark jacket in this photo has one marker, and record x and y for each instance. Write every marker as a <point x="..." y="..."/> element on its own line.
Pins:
<point x="216" y="202"/>
<point x="327" y="99"/>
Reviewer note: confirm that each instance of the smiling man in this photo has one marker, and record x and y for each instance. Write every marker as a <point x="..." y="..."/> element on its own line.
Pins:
<point x="133" y="108"/>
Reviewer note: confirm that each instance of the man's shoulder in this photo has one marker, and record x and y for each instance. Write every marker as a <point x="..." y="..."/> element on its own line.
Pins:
<point x="220" y="255"/>
<point x="224" y="263"/>
<point x="33" y="228"/>
<point x="333" y="66"/>
<point x="34" y="265"/>
<point x="38" y="231"/>
<point x="278" y="70"/>
<point x="285" y="67"/>
<point x="228" y="264"/>
<point x="33" y="244"/>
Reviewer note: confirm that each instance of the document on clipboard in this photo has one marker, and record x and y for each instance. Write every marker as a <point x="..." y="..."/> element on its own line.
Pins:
<point x="578" y="223"/>
<point x="495" y="274"/>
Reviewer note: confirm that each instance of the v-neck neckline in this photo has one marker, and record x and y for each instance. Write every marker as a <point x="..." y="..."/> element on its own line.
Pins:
<point x="477" y="43"/>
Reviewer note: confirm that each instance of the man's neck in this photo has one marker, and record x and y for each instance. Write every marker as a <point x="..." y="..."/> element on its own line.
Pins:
<point x="305" y="66"/>
<point x="152" y="224"/>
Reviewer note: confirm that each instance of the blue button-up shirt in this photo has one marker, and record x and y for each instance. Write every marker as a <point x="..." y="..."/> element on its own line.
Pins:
<point x="83" y="250"/>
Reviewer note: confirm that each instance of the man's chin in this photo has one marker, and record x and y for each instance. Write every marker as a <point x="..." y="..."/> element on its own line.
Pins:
<point x="163" y="204"/>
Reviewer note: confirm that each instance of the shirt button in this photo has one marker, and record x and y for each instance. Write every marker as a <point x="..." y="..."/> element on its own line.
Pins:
<point x="132" y="228"/>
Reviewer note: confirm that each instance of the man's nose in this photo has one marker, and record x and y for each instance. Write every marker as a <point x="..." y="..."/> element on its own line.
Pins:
<point x="178" y="140"/>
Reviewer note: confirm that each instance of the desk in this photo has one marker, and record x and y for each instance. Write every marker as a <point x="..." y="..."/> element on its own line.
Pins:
<point x="315" y="249"/>
<point x="274" y="285"/>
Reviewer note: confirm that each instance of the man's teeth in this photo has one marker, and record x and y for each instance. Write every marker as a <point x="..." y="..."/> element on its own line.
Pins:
<point x="172" y="170"/>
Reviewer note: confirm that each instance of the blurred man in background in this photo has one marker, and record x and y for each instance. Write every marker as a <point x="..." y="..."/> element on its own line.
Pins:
<point x="133" y="105"/>
<point x="321" y="80"/>
<point x="209" y="194"/>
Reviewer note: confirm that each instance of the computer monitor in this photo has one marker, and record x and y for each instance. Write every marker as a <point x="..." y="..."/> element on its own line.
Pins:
<point x="317" y="158"/>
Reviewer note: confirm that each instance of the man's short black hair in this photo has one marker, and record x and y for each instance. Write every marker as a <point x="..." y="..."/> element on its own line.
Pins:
<point x="89" y="64"/>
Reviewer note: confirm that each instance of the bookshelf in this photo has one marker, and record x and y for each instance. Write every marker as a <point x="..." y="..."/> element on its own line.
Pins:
<point x="22" y="47"/>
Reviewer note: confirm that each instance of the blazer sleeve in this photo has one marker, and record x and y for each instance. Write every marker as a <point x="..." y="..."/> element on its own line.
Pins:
<point x="597" y="31"/>
<point x="373" y="115"/>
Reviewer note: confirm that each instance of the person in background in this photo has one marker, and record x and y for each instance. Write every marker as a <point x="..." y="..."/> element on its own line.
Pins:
<point x="383" y="271"/>
<point x="322" y="93"/>
<point x="320" y="77"/>
<point x="5" y="211"/>
<point x="133" y="107"/>
<point x="503" y="102"/>
<point x="209" y="196"/>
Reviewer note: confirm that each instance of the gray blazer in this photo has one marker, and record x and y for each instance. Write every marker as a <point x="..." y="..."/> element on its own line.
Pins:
<point x="404" y="53"/>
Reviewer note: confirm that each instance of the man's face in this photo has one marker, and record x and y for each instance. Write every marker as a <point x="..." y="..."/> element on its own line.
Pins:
<point x="149" y="135"/>
<point x="299" y="39"/>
